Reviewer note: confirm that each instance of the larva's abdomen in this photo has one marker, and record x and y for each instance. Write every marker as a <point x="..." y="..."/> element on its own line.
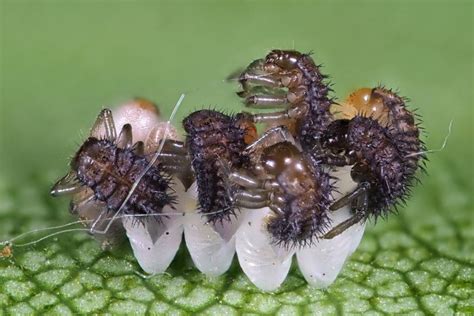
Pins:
<point x="389" y="174"/>
<point x="111" y="171"/>
<point x="214" y="138"/>
<point x="312" y="125"/>
<point x="403" y="128"/>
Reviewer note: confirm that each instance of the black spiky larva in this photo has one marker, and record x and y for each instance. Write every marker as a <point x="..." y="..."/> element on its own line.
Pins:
<point x="110" y="171"/>
<point x="291" y="182"/>
<point x="102" y="174"/>
<point x="289" y="79"/>
<point x="213" y="137"/>
<point x="379" y="136"/>
<point x="305" y="190"/>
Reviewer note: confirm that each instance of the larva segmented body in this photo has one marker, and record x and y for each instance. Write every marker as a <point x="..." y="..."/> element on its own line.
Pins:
<point x="111" y="171"/>
<point x="378" y="135"/>
<point x="291" y="80"/>
<point x="104" y="173"/>
<point x="214" y="137"/>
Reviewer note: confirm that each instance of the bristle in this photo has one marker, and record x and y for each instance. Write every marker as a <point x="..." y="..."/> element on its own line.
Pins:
<point x="110" y="172"/>
<point x="214" y="136"/>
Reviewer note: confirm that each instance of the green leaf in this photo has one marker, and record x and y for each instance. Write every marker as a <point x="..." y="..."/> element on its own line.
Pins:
<point x="420" y="260"/>
<point x="62" y="61"/>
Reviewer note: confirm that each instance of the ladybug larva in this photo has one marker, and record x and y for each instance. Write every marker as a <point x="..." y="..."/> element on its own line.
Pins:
<point x="379" y="137"/>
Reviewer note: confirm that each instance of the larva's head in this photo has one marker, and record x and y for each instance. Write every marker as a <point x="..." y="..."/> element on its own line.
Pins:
<point x="285" y="59"/>
<point x="365" y="102"/>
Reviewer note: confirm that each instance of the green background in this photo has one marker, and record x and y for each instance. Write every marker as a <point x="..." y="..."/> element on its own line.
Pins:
<point x="62" y="61"/>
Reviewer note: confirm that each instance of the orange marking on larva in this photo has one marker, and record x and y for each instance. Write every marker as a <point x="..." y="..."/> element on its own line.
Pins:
<point x="362" y="102"/>
<point x="250" y="133"/>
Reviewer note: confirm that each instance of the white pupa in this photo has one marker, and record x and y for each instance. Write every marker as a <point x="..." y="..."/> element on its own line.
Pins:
<point x="267" y="265"/>
<point x="212" y="247"/>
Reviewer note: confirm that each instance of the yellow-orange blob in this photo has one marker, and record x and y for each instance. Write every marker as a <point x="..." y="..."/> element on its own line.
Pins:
<point x="147" y="105"/>
<point x="250" y="133"/>
<point x="6" y="252"/>
<point x="362" y="102"/>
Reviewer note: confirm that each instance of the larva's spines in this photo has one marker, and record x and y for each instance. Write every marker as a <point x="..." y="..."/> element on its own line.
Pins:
<point x="391" y="174"/>
<point x="312" y="125"/>
<point x="214" y="136"/>
<point x="404" y="127"/>
<point x="110" y="172"/>
<point x="307" y="93"/>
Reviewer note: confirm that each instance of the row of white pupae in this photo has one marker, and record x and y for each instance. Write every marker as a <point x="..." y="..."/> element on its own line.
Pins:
<point x="212" y="247"/>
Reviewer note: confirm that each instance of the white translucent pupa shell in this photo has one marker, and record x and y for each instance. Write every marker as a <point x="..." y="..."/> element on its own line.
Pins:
<point x="267" y="265"/>
<point x="321" y="264"/>
<point x="211" y="247"/>
<point x="155" y="243"/>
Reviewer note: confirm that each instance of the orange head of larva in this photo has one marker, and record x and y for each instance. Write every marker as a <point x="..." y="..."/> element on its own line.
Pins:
<point x="363" y="102"/>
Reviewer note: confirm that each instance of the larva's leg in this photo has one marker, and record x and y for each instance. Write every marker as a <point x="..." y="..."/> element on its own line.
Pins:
<point x="125" y="139"/>
<point x="139" y="148"/>
<point x="249" y="182"/>
<point x="242" y="179"/>
<point x="250" y="199"/>
<point x="67" y="185"/>
<point x="154" y="141"/>
<point x="336" y="160"/>
<point x="271" y="117"/>
<point x="104" y="126"/>
<point x="173" y="156"/>
<point x="81" y="199"/>
<point x="271" y="137"/>
<point x="359" y="204"/>
<point x="253" y="68"/>
<point x="258" y="73"/>
<point x="258" y="79"/>
<point x="175" y="146"/>
<point x="340" y="228"/>
<point x="263" y="101"/>
<point x="272" y="99"/>
<point x="291" y="113"/>
<point x="168" y="158"/>
<point x="172" y="152"/>
<point x="361" y="191"/>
